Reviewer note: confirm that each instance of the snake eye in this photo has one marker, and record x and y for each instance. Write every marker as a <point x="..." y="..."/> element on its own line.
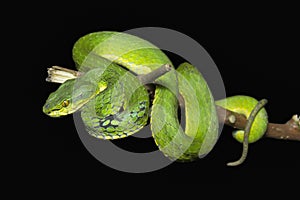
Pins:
<point x="65" y="103"/>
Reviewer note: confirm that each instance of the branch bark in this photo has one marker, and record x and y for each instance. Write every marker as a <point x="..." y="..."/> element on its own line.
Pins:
<point x="288" y="131"/>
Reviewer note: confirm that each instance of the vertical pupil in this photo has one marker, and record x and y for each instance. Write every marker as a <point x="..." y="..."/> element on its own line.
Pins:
<point x="65" y="103"/>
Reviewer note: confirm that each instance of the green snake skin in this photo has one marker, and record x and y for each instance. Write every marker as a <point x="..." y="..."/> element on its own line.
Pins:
<point x="244" y="105"/>
<point x="114" y="104"/>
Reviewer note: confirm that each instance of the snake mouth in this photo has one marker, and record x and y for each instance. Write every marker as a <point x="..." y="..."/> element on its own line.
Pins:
<point x="56" y="113"/>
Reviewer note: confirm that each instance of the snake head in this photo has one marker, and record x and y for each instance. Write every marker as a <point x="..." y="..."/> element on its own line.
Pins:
<point x="71" y="96"/>
<point x="59" y="102"/>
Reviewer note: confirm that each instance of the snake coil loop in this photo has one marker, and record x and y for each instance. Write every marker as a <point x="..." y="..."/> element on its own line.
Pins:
<point x="115" y="104"/>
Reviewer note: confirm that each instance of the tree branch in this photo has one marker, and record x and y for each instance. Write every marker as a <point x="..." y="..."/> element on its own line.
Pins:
<point x="152" y="76"/>
<point x="289" y="131"/>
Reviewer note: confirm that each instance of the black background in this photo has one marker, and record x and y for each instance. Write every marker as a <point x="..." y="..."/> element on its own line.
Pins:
<point x="255" y="51"/>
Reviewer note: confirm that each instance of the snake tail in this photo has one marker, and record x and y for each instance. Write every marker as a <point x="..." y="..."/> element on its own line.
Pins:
<point x="250" y="121"/>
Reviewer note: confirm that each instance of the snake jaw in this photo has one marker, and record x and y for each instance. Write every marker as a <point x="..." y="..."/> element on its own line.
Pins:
<point x="56" y="113"/>
<point x="58" y="110"/>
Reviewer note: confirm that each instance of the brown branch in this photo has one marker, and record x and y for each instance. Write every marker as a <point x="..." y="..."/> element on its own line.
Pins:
<point x="57" y="74"/>
<point x="152" y="76"/>
<point x="289" y="130"/>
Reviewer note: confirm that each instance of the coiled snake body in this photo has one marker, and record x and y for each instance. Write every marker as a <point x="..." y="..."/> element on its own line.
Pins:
<point x="114" y="104"/>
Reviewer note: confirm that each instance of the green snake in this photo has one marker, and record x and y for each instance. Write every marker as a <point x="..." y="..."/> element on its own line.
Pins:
<point x="115" y="104"/>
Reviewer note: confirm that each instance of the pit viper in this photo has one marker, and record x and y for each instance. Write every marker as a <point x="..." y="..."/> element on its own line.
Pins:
<point x="115" y="104"/>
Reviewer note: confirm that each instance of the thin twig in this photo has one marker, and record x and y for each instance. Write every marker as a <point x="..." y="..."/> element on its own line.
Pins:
<point x="57" y="74"/>
<point x="150" y="77"/>
<point x="288" y="131"/>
